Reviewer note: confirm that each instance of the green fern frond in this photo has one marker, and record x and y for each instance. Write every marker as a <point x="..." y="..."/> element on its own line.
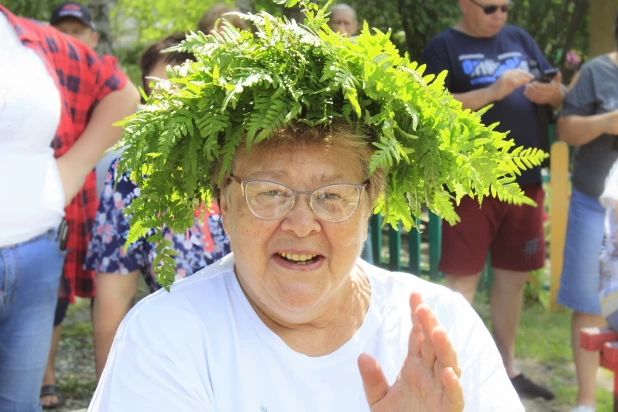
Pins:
<point x="244" y="87"/>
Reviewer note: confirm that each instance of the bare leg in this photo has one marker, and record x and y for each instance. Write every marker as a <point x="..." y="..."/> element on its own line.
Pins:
<point x="466" y="285"/>
<point x="50" y="377"/>
<point x="586" y="362"/>
<point x="115" y="295"/>
<point x="506" y="304"/>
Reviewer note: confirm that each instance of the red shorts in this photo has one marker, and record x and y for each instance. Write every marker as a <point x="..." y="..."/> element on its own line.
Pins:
<point x="513" y="235"/>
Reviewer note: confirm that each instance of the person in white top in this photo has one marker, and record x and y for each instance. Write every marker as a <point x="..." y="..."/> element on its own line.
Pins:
<point x="293" y="319"/>
<point x="279" y="325"/>
<point x="50" y="87"/>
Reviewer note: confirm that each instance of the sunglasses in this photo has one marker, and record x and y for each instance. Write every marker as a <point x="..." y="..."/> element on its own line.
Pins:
<point x="492" y="9"/>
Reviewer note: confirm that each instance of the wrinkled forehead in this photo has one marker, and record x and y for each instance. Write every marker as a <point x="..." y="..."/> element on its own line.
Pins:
<point x="298" y="160"/>
<point x="486" y="3"/>
<point x="343" y="15"/>
<point x="71" y="23"/>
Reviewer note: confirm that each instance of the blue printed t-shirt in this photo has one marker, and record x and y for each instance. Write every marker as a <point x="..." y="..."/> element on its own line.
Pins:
<point x="475" y="63"/>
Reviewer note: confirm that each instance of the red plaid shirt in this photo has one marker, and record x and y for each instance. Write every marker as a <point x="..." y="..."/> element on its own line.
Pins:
<point x="82" y="79"/>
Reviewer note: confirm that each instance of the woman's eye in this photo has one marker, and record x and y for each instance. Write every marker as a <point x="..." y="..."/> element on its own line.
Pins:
<point x="272" y="193"/>
<point x="330" y="196"/>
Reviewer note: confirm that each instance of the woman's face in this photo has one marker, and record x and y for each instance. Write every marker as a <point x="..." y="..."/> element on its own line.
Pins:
<point x="285" y="291"/>
<point x="157" y="73"/>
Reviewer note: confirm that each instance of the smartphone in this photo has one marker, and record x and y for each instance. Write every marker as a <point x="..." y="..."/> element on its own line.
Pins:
<point x="548" y="75"/>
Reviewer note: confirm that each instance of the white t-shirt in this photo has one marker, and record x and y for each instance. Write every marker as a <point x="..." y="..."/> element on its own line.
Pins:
<point x="32" y="199"/>
<point x="203" y="348"/>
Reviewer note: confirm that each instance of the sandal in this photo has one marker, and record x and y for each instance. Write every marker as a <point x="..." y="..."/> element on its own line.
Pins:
<point x="52" y="390"/>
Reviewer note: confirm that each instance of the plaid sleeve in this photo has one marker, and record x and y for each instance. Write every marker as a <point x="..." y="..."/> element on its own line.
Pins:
<point x="111" y="77"/>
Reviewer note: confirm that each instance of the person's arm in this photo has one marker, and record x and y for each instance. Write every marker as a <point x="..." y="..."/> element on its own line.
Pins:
<point x="437" y="61"/>
<point x="578" y="130"/>
<point x="115" y="294"/>
<point x="551" y="93"/>
<point x="505" y="85"/>
<point x="579" y="123"/>
<point x="98" y="136"/>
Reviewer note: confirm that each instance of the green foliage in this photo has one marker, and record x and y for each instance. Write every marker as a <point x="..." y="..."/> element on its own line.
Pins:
<point x="245" y="87"/>
<point x="34" y="9"/>
<point x="552" y="23"/>
<point x="152" y="20"/>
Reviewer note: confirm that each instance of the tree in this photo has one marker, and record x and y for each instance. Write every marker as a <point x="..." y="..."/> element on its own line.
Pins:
<point x="246" y="6"/>
<point x="557" y="25"/>
<point x="100" y="15"/>
<point x="41" y="10"/>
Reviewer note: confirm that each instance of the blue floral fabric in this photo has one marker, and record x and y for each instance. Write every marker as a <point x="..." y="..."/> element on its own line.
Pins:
<point x="197" y="248"/>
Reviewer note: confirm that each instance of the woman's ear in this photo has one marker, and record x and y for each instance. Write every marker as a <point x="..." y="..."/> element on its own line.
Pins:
<point x="224" y="208"/>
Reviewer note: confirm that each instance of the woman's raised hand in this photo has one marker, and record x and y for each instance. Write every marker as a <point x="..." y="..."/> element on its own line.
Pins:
<point x="429" y="377"/>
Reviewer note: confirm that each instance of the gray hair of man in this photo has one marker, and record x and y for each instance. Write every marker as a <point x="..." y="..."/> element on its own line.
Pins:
<point x="342" y="7"/>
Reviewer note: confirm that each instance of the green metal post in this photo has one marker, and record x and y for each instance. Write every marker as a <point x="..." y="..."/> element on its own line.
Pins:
<point x="376" y="238"/>
<point x="435" y="245"/>
<point x="394" y="247"/>
<point x="414" y="250"/>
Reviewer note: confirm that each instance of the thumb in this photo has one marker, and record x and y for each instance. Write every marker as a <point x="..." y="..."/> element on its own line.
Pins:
<point x="374" y="381"/>
<point x="558" y="78"/>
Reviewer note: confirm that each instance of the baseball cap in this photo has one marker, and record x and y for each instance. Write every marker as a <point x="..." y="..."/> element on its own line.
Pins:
<point x="72" y="10"/>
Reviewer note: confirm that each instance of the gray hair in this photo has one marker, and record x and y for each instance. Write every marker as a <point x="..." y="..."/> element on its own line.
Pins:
<point x="344" y="8"/>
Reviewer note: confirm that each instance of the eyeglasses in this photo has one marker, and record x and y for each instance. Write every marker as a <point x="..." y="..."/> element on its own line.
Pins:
<point x="492" y="9"/>
<point x="270" y="200"/>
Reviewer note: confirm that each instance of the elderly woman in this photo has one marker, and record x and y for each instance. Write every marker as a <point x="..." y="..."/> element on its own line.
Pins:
<point x="293" y="320"/>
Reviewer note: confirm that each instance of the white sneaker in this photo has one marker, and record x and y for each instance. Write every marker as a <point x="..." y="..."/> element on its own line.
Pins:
<point x="584" y="408"/>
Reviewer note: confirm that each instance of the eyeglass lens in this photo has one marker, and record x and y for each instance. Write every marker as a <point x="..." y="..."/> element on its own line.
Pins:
<point x="333" y="203"/>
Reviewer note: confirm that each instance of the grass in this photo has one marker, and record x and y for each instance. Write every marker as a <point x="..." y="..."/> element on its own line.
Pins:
<point x="76" y="387"/>
<point x="544" y="339"/>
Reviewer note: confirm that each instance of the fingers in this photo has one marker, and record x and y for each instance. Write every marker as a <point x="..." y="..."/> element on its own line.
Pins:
<point x="518" y="77"/>
<point x="510" y="80"/>
<point x="539" y="93"/>
<point x="428" y="323"/>
<point x="416" y="335"/>
<point x="429" y="339"/>
<point x="423" y="325"/>
<point x="453" y="390"/>
<point x="374" y="381"/>
<point x="445" y="353"/>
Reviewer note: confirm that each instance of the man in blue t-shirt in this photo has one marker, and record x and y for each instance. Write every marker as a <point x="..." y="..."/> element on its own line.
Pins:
<point x="489" y="62"/>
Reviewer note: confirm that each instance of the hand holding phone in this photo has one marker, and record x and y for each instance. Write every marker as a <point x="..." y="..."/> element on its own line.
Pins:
<point x="548" y="75"/>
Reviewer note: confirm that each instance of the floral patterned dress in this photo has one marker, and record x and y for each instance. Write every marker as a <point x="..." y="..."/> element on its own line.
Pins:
<point x="608" y="288"/>
<point x="204" y="243"/>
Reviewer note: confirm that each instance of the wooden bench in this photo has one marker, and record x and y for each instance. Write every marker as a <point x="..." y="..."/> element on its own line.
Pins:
<point x="604" y="341"/>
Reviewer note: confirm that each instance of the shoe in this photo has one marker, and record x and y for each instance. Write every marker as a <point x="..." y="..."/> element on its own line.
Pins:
<point x="52" y="390"/>
<point x="584" y="408"/>
<point x="528" y="389"/>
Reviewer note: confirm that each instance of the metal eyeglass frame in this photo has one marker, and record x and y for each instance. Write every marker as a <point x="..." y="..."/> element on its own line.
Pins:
<point x="309" y="193"/>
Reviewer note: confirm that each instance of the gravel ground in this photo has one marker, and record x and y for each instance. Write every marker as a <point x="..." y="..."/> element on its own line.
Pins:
<point x="75" y="358"/>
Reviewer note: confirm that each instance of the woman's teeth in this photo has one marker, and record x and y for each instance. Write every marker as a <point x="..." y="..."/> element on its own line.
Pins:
<point x="297" y="258"/>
